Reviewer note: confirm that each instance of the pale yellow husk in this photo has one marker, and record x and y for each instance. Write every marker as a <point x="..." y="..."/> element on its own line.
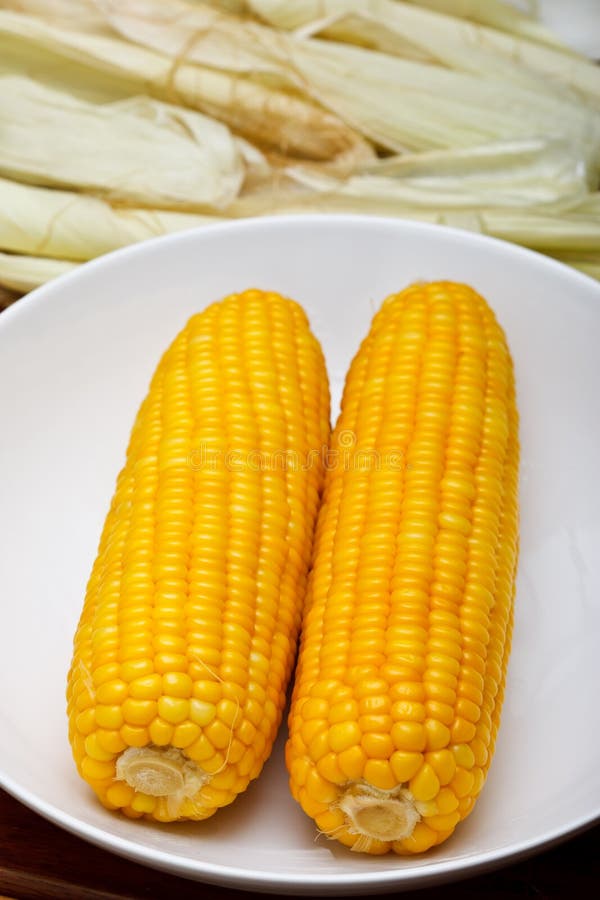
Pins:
<point x="74" y="226"/>
<point x="405" y="30"/>
<point x="399" y="104"/>
<point x="138" y="151"/>
<point x="96" y="67"/>
<point x="24" y="273"/>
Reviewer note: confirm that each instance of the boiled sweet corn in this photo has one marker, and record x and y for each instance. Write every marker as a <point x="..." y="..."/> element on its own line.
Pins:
<point x="188" y="634"/>
<point x="408" y="622"/>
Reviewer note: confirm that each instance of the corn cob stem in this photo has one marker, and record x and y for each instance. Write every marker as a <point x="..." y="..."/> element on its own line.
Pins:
<point x="378" y="815"/>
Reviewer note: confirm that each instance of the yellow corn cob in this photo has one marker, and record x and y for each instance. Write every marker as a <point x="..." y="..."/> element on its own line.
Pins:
<point x="408" y="622"/>
<point x="187" y="637"/>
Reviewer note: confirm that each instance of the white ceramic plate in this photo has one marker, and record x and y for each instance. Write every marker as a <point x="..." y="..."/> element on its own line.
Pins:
<point x="75" y="361"/>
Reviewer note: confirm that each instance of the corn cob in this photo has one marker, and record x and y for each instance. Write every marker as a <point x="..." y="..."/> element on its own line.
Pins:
<point x="408" y="621"/>
<point x="188" y="633"/>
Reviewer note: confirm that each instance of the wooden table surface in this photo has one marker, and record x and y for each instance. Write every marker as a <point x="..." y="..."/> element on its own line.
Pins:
<point x="39" y="860"/>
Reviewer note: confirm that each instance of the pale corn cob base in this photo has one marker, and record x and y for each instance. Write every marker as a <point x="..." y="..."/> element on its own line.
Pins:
<point x="188" y="634"/>
<point x="407" y="632"/>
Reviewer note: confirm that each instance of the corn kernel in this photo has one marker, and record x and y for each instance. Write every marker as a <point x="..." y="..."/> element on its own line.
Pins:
<point x="405" y="764"/>
<point x="343" y="736"/>
<point x="173" y="709"/>
<point x="409" y="736"/>
<point x="379" y="773"/>
<point x="352" y="762"/>
<point x="425" y="784"/>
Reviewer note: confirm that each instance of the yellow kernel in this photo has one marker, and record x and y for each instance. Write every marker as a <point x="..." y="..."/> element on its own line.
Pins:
<point x="139" y="712"/>
<point x="329" y="769"/>
<point x="379" y="773"/>
<point x="344" y="711"/>
<point x="111" y="741"/>
<point x="133" y="814"/>
<point x="314" y="708"/>
<point x="405" y="764"/>
<point x="201" y="749"/>
<point x="148" y="687"/>
<point x="143" y="803"/>
<point x="170" y="662"/>
<point x="326" y="689"/>
<point x="86" y="721"/>
<point x="408" y="736"/>
<point x="408" y="710"/>
<point x="185" y="734"/>
<point x="120" y="794"/>
<point x="379" y="724"/>
<point x="443" y="764"/>
<point x="228" y="712"/>
<point x="377" y="746"/>
<point x="463" y="755"/>
<point x="420" y="840"/>
<point x="218" y="734"/>
<point x="311" y="806"/>
<point x="479" y="778"/>
<point x="246" y="732"/>
<point x="320" y="745"/>
<point x="177" y="684"/>
<point x="161" y="732"/>
<point x="465" y="806"/>
<point x="425" y="784"/>
<point x="209" y="691"/>
<point x="352" y="762"/>
<point x="408" y="690"/>
<point x="441" y="712"/>
<point x="446" y="802"/>
<point x="480" y="752"/>
<point x="104" y="673"/>
<point x="374" y="706"/>
<point x="134" y="668"/>
<point x="320" y="789"/>
<point x="311" y="728"/>
<point x="330" y="821"/>
<point x="370" y="687"/>
<point x="173" y="709"/>
<point x="202" y="713"/>
<point x="462" y="783"/>
<point x="214" y="763"/>
<point x="342" y="736"/>
<point x="468" y="710"/>
<point x="95" y="751"/>
<point x="444" y="823"/>
<point x="135" y="736"/>
<point x="94" y="770"/>
<point x="112" y="692"/>
<point x="225" y="780"/>
<point x="437" y="734"/>
<point x="109" y="717"/>
<point x="299" y="770"/>
<point x="462" y="731"/>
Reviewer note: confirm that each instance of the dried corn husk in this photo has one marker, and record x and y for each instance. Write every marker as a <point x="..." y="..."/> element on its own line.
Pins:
<point x="497" y="14"/>
<point x="532" y="173"/>
<point x="67" y="225"/>
<point x="137" y="151"/>
<point x="24" y="273"/>
<point x="397" y="103"/>
<point x="405" y="30"/>
<point x="98" y="67"/>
